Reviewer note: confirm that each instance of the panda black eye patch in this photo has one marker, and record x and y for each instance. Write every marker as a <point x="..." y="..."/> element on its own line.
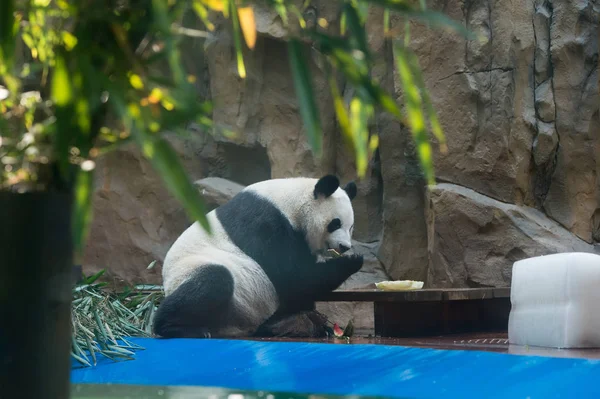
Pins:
<point x="334" y="225"/>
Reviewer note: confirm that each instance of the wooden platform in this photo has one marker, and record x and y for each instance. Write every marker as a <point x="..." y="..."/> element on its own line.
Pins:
<point x="432" y="312"/>
<point x="496" y="342"/>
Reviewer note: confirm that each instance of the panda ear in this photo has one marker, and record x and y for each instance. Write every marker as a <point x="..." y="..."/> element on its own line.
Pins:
<point x="351" y="190"/>
<point x="326" y="186"/>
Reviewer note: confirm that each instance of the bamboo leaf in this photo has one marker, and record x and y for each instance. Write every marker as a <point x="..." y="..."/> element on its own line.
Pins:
<point x="386" y="21"/>
<point x="77" y="348"/>
<point x="202" y="13"/>
<point x="359" y="117"/>
<point x="93" y="278"/>
<point x="82" y="217"/>
<point x="121" y="350"/>
<point x="432" y="18"/>
<point x="415" y="117"/>
<point x="304" y="93"/>
<point x="340" y="111"/>
<point x="358" y="74"/>
<point x="80" y="360"/>
<point x="91" y="349"/>
<point x="62" y="94"/>
<point x="248" y="25"/>
<point x="280" y="7"/>
<point x="62" y="88"/>
<point x="216" y="5"/>
<point x="237" y="40"/>
<point x="100" y="328"/>
<point x="357" y="29"/>
<point x="436" y="128"/>
<point x="162" y="20"/>
<point x="117" y="354"/>
<point x="8" y="26"/>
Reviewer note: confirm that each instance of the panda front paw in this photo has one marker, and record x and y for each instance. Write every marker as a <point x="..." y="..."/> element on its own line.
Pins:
<point x="350" y="263"/>
<point x="355" y="262"/>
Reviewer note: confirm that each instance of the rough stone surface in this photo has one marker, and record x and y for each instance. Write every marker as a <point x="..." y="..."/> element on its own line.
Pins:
<point x="136" y="219"/>
<point x="216" y="191"/>
<point x="474" y="240"/>
<point x="574" y="192"/>
<point x="262" y="109"/>
<point x="544" y="102"/>
<point x="483" y="96"/>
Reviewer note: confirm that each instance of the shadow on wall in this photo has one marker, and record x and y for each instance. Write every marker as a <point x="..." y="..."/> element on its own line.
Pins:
<point x="243" y="165"/>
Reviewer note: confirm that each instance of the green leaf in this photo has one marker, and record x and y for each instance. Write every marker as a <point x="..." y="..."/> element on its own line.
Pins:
<point x="69" y="40"/>
<point x="416" y="119"/>
<point x="136" y="81"/>
<point x="62" y="88"/>
<point x="304" y="93"/>
<point x="436" y="128"/>
<point x="432" y="18"/>
<point x="82" y="217"/>
<point x="361" y="80"/>
<point x="359" y="117"/>
<point x="80" y="360"/>
<point x="62" y="94"/>
<point x="90" y="348"/>
<point x="281" y="10"/>
<point x="202" y="13"/>
<point x="340" y="111"/>
<point x="162" y="20"/>
<point x="357" y="29"/>
<point x="91" y="279"/>
<point x="386" y="21"/>
<point x="237" y="40"/>
<point x="7" y="34"/>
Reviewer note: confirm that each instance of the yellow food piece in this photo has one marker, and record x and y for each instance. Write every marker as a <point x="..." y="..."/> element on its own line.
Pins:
<point x="400" y="285"/>
<point x="333" y="253"/>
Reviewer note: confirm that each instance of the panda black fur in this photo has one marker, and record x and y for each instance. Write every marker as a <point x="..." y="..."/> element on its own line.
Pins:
<point x="259" y="272"/>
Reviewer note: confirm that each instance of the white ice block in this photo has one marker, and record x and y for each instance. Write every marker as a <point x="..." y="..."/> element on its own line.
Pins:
<point x="556" y="301"/>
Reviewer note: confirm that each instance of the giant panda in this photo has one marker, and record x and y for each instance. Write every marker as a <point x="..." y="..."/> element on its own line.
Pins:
<point x="260" y="270"/>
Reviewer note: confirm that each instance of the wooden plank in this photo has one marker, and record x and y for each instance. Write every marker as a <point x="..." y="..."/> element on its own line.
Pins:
<point x="410" y="319"/>
<point x="462" y="294"/>
<point x="424" y="295"/>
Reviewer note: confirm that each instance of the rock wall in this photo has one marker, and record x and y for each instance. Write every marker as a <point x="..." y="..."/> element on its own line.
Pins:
<point x="519" y="109"/>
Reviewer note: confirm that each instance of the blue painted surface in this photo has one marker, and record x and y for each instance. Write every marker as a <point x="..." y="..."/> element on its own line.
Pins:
<point x="380" y="370"/>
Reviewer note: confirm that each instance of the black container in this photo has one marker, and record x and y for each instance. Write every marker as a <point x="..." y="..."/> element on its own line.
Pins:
<point x="36" y="258"/>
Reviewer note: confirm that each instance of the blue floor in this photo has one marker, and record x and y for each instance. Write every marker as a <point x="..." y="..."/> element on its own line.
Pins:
<point x="375" y="370"/>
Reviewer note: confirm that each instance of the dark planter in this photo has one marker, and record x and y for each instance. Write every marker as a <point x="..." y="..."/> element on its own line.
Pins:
<point x="36" y="260"/>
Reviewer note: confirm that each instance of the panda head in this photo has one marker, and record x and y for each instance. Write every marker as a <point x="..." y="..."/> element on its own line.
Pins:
<point x="330" y="217"/>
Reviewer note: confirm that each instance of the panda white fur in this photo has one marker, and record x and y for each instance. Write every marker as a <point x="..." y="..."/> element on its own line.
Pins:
<point x="259" y="272"/>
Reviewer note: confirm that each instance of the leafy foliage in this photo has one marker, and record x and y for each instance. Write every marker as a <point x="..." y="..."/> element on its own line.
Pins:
<point x="79" y="78"/>
<point x="103" y="321"/>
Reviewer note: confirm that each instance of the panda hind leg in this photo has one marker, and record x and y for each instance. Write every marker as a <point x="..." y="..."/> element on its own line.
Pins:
<point x="198" y="306"/>
<point x="306" y="324"/>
